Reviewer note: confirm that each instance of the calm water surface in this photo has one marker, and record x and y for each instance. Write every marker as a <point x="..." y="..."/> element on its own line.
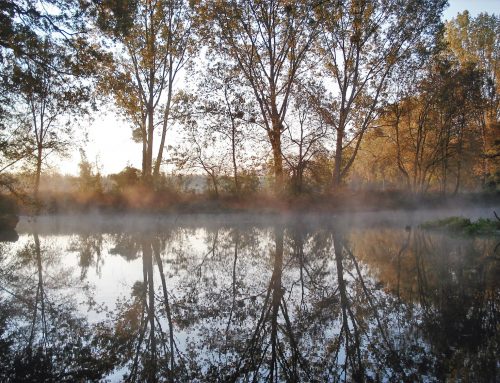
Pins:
<point x="248" y="298"/>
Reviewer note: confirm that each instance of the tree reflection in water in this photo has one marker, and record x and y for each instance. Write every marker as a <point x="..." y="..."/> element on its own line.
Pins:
<point x="273" y="330"/>
<point x="89" y="249"/>
<point x="287" y="303"/>
<point x="41" y="337"/>
<point x="140" y="333"/>
<point x="447" y="290"/>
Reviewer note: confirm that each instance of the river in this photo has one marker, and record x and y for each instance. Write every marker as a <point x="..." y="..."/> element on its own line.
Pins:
<point x="249" y="298"/>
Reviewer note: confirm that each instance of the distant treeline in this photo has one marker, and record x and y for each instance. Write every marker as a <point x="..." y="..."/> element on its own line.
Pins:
<point x="126" y="192"/>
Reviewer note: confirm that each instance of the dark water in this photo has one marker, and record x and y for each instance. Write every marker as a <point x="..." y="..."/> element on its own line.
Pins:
<point x="248" y="299"/>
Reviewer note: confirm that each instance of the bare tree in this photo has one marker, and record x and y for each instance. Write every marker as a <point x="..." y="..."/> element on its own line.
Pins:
<point x="268" y="41"/>
<point x="303" y="141"/>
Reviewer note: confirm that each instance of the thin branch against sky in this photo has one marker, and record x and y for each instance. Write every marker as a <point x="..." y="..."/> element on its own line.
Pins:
<point x="107" y="127"/>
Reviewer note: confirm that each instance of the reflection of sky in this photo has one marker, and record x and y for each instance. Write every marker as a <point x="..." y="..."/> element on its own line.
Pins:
<point x="109" y="137"/>
<point x="191" y="267"/>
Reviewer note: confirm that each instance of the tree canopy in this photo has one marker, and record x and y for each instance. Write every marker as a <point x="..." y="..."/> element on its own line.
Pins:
<point x="303" y="95"/>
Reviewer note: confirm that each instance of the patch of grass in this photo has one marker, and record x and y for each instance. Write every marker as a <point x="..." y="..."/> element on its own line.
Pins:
<point x="461" y="225"/>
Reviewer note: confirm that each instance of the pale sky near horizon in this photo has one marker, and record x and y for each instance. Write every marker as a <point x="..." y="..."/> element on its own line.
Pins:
<point x="109" y="137"/>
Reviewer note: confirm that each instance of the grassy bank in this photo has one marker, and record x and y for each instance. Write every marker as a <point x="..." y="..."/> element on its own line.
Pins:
<point x="464" y="226"/>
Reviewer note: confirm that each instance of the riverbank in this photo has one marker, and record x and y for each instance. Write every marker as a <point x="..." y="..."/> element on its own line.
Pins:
<point x="9" y="214"/>
<point x="465" y="226"/>
<point x="346" y="201"/>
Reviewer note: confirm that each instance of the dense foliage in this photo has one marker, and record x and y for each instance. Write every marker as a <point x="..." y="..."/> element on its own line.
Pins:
<point x="305" y="97"/>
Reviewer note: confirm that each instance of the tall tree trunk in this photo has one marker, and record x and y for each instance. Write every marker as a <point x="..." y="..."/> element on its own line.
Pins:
<point x="166" y="115"/>
<point x="484" y="149"/>
<point x="337" y="170"/>
<point x="300" y="164"/>
<point x="459" y="157"/>
<point x="300" y="177"/>
<point x="151" y="96"/>
<point x="213" y="176"/>
<point x="149" y="146"/>
<point x="275" y="138"/>
<point x="144" y="134"/>
<point x="444" y="165"/>
<point x="401" y="165"/>
<point x="235" y="165"/>
<point x="38" y="173"/>
<point x="233" y="117"/>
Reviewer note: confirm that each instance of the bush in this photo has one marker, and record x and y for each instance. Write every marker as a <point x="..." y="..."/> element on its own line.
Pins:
<point x="8" y="205"/>
<point x="493" y="182"/>
<point x="249" y="183"/>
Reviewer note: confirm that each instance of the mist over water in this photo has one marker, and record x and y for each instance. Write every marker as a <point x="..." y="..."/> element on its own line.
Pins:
<point x="113" y="223"/>
<point x="249" y="297"/>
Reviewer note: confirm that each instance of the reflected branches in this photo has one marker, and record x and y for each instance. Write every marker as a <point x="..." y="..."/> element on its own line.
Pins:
<point x="43" y="336"/>
<point x="277" y="303"/>
<point x="144" y="325"/>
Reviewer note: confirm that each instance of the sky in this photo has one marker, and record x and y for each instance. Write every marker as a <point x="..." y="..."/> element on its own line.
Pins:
<point x="110" y="144"/>
<point x="473" y="6"/>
